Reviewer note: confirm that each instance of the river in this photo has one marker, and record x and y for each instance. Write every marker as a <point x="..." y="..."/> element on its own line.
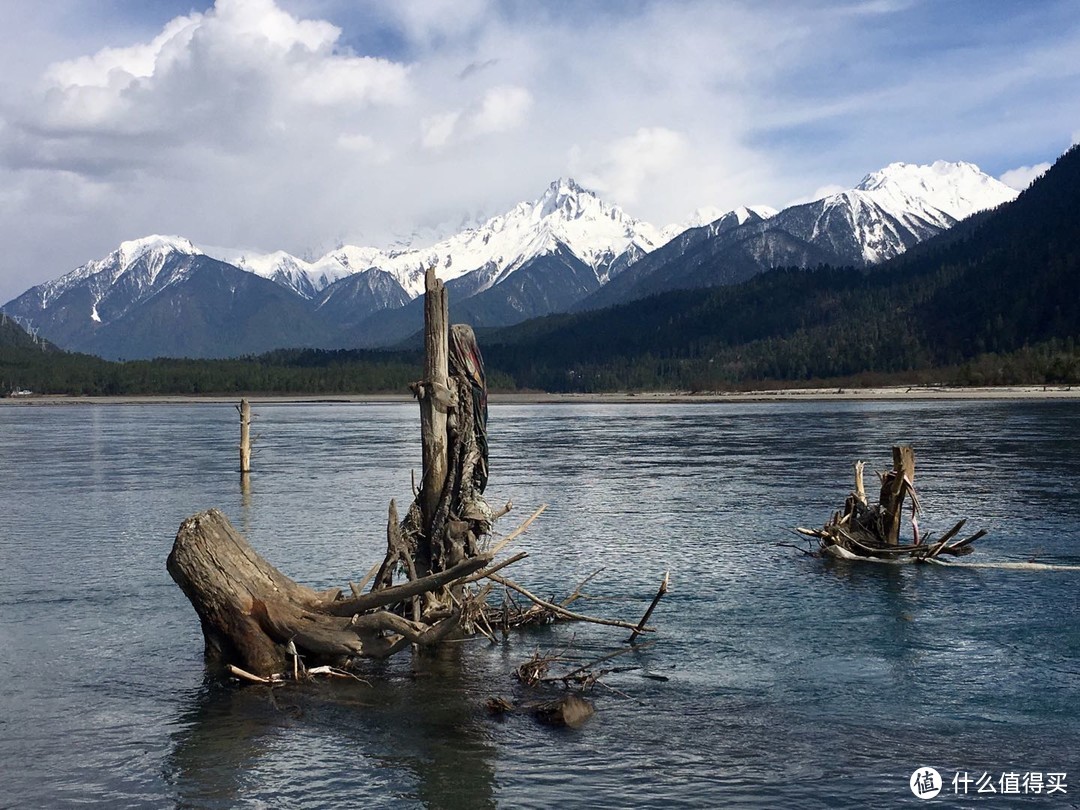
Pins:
<point x="774" y="680"/>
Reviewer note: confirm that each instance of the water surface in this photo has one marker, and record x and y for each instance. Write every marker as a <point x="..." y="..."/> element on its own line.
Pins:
<point x="791" y="681"/>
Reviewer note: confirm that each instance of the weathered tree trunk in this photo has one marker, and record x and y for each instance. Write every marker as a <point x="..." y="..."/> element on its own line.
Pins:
<point x="436" y="399"/>
<point x="894" y="486"/>
<point x="250" y="611"/>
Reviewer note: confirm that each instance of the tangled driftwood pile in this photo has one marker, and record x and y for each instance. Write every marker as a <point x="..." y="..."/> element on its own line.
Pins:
<point x="863" y="530"/>
<point x="260" y="625"/>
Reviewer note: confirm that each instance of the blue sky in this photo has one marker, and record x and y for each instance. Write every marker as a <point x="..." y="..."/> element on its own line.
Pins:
<point x="303" y="124"/>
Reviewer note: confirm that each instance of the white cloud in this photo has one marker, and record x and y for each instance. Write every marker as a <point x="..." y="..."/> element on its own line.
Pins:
<point x="1022" y="176"/>
<point x="501" y="110"/>
<point x="237" y="65"/>
<point x="429" y="21"/>
<point x="350" y="80"/>
<point x="437" y="130"/>
<point x="112" y="67"/>
<point x="819" y="193"/>
<point x="629" y="162"/>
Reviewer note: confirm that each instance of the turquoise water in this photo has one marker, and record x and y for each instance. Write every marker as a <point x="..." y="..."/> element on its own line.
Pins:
<point x="790" y="681"/>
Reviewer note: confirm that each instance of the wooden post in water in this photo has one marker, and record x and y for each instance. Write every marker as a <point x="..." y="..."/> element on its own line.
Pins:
<point x="435" y="398"/>
<point x="245" y="437"/>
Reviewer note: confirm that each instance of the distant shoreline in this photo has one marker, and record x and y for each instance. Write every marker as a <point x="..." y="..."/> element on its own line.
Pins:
<point x="894" y="393"/>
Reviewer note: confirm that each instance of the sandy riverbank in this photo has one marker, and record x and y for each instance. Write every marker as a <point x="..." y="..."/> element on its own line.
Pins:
<point x="539" y="398"/>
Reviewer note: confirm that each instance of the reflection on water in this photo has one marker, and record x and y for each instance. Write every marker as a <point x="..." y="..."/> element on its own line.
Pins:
<point x="413" y="736"/>
<point x="790" y="681"/>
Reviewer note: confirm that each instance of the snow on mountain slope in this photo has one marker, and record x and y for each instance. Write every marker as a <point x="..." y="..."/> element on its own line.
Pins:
<point x="904" y="203"/>
<point x="303" y="277"/>
<point x="955" y="189"/>
<point x="888" y="212"/>
<point x="136" y="266"/>
<point x="140" y="260"/>
<point x="566" y="214"/>
<point x="710" y="214"/>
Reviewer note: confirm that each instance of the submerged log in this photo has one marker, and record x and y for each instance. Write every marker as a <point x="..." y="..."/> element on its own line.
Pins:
<point x="872" y="531"/>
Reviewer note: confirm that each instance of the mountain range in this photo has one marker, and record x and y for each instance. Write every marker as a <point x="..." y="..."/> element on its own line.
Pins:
<point x="164" y="296"/>
<point x="988" y="302"/>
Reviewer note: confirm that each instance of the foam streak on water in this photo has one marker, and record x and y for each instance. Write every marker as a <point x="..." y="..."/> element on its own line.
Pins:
<point x="790" y="681"/>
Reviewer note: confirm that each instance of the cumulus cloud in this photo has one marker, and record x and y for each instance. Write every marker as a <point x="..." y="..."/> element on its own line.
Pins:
<point x="209" y="74"/>
<point x="1022" y="176"/>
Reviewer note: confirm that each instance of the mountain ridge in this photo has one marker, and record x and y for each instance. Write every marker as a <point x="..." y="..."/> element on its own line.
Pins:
<point x="888" y="212"/>
<point x="568" y="249"/>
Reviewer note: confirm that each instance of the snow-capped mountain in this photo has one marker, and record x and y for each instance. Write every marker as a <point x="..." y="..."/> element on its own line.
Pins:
<point x="126" y="276"/>
<point x="566" y="217"/>
<point x="567" y="249"/>
<point x="902" y="204"/>
<point x="161" y="296"/>
<point x="890" y="211"/>
<point x="719" y="219"/>
<point x="565" y="245"/>
<point x="305" y="278"/>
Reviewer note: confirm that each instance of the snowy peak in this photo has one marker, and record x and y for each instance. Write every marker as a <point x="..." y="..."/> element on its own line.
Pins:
<point x="140" y="259"/>
<point x="131" y="251"/>
<point x="955" y="189"/>
<point x="719" y="220"/>
<point x="564" y="196"/>
<point x="303" y="277"/>
<point x="901" y="205"/>
<point x="744" y="214"/>
<point x="566" y="216"/>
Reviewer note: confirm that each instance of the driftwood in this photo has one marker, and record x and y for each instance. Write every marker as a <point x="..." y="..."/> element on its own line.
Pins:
<point x="872" y="531"/>
<point x="260" y="626"/>
<point x="570" y="710"/>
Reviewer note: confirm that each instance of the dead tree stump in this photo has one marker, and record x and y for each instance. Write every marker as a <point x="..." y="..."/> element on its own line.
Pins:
<point x="873" y="530"/>
<point x="257" y="623"/>
<point x="256" y="618"/>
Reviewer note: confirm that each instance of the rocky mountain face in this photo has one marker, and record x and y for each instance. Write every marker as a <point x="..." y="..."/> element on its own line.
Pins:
<point x="569" y="249"/>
